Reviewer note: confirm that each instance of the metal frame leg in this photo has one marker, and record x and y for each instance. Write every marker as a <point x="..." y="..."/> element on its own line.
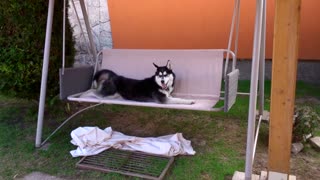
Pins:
<point x="67" y="120"/>
<point x="262" y="60"/>
<point x="254" y="87"/>
<point x="45" y="67"/>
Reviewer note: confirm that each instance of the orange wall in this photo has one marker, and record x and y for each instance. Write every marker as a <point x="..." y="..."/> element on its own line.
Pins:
<point x="189" y="24"/>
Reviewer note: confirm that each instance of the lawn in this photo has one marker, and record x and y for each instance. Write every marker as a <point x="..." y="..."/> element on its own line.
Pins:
<point x="218" y="138"/>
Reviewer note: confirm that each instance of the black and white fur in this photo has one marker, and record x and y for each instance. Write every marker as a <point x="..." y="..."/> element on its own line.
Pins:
<point x="157" y="88"/>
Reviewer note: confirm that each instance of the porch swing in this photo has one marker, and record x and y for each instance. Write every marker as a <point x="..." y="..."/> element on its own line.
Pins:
<point x="199" y="72"/>
<point x="210" y="60"/>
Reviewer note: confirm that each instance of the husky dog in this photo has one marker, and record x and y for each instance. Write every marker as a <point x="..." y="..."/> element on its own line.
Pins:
<point x="157" y="88"/>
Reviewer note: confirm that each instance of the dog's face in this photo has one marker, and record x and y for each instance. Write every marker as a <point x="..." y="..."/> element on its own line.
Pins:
<point x="164" y="76"/>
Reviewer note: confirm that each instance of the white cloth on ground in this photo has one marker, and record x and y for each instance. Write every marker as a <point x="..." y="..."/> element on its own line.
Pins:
<point x="92" y="141"/>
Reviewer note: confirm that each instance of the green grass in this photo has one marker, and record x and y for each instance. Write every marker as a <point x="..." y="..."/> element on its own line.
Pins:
<point x="216" y="164"/>
<point x="218" y="138"/>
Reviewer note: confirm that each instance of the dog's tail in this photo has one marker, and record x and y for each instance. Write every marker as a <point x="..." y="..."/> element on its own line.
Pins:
<point x="104" y="81"/>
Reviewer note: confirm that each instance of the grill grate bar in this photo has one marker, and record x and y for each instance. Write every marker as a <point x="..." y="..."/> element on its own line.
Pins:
<point x="134" y="166"/>
<point x="128" y="163"/>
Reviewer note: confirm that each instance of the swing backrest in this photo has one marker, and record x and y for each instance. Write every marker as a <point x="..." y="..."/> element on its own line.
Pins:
<point x="198" y="72"/>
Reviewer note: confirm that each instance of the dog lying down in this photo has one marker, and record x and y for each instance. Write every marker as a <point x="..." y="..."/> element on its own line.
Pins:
<point x="157" y="88"/>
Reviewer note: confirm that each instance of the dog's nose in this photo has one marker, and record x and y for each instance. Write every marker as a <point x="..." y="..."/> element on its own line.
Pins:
<point x="162" y="81"/>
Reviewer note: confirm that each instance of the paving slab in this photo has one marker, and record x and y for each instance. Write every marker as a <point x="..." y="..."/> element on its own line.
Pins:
<point x="39" y="176"/>
<point x="315" y="142"/>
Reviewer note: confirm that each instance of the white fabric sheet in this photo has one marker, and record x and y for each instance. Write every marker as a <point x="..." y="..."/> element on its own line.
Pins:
<point x="92" y="141"/>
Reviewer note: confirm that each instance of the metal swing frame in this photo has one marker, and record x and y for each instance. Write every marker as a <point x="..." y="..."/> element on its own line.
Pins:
<point x="257" y="73"/>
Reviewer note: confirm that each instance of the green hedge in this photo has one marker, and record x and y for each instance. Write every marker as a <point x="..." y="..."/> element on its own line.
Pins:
<point x="22" y="36"/>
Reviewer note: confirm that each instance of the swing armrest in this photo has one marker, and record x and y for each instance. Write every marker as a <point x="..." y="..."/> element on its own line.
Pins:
<point x="75" y="80"/>
<point x="231" y="87"/>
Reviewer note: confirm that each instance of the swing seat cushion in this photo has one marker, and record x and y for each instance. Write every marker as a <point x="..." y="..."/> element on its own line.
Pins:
<point x="198" y="74"/>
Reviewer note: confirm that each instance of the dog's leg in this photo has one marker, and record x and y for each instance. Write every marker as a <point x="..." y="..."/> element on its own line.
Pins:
<point x="173" y="100"/>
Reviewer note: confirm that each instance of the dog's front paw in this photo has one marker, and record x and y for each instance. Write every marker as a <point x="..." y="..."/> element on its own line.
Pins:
<point x="192" y="102"/>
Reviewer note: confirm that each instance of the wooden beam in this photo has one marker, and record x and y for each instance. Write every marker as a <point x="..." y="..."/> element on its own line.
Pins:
<point x="284" y="71"/>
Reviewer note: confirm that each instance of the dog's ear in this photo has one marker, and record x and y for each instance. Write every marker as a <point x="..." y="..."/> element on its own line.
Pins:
<point x="168" y="64"/>
<point x="155" y="65"/>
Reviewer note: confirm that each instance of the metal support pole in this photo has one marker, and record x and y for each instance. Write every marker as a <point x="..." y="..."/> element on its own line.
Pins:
<point x="253" y="88"/>
<point x="64" y="37"/>
<point x="236" y="41"/>
<point x="256" y="138"/>
<point x="262" y="60"/>
<point x="87" y="23"/>
<point x="234" y="19"/>
<point x="45" y="67"/>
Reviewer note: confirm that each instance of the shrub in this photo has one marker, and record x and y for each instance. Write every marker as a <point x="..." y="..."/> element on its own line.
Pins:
<point x="22" y="36"/>
<point x="306" y="122"/>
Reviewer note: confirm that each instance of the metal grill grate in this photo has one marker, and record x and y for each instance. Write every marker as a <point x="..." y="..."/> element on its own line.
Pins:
<point x="128" y="163"/>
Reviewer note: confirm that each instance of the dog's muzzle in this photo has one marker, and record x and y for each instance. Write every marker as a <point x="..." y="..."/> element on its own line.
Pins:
<point x="164" y="86"/>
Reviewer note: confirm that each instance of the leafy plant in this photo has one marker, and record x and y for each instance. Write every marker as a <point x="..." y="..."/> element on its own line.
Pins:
<point x="306" y="122"/>
<point x="22" y="37"/>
